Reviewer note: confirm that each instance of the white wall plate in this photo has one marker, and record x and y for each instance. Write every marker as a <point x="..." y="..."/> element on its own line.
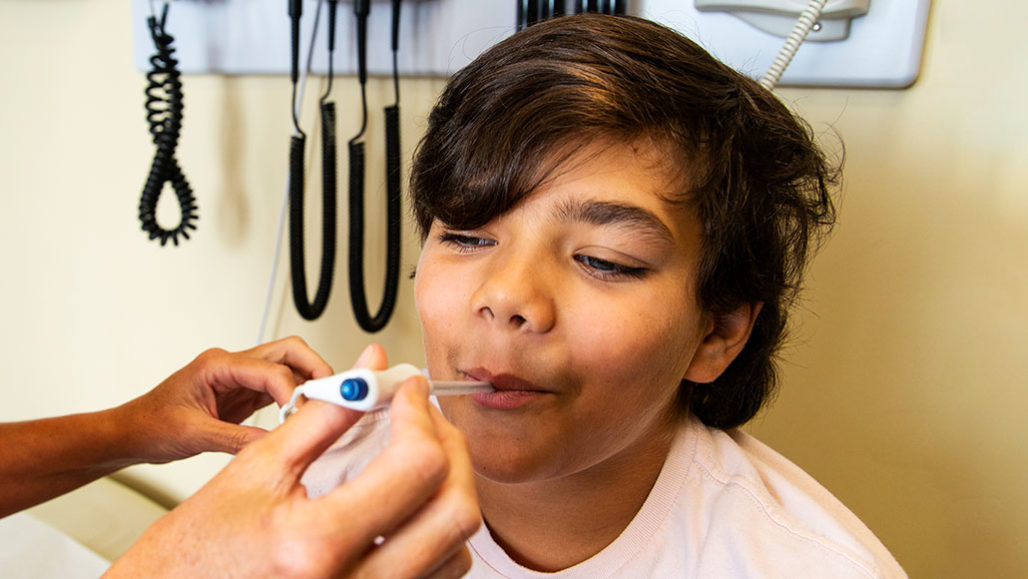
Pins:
<point x="883" y="49"/>
<point x="438" y="37"/>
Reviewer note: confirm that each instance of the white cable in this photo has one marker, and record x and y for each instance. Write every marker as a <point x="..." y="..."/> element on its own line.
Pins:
<point x="806" y="21"/>
<point x="302" y="83"/>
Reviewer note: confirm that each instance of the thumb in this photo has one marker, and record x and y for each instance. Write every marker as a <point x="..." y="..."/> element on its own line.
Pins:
<point x="373" y="357"/>
<point x="230" y="438"/>
<point x="308" y="433"/>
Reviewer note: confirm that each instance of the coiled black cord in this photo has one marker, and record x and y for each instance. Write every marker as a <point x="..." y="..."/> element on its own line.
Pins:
<point x="358" y="295"/>
<point x="164" y="115"/>
<point x="312" y="310"/>
<point x="392" y="122"/>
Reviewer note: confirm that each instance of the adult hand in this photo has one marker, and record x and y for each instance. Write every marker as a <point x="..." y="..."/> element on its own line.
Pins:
<point x="194" y="410"/>
<point x="254" y="518"/>
<point x="199" y="408"/>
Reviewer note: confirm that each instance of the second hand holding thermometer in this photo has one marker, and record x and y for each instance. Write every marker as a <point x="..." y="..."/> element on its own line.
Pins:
<point x="363" y="389"/>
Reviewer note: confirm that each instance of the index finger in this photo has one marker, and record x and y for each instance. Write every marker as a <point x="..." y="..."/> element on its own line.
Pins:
<point x="401" y="479"/>
<point x="275" y="379"/>
<point x="432" y="540"/>
<point x="294" y="352"/>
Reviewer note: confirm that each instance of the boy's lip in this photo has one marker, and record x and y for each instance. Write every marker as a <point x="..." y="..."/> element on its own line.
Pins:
<point x="512" y="393"/>
<point x="502" y="381"/>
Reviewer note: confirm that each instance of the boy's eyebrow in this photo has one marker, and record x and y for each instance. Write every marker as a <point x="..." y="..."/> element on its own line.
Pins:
<point x="609" y="213"/>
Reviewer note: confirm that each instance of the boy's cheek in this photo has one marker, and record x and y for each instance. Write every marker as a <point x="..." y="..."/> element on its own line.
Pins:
<point x="432" y="303"/>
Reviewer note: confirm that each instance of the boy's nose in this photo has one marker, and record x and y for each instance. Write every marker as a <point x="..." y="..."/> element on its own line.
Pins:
<point x="514" y="294"/>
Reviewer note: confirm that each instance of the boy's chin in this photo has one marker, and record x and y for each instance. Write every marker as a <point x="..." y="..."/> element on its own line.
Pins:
<point x="514" y="467"/>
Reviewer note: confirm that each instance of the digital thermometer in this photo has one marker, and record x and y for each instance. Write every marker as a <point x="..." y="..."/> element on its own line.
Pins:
<point x="363" y="389"/>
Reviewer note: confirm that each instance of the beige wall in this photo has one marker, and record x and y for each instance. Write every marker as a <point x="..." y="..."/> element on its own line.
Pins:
<point x="904" y="392"/>
<point x="907" y="387"/>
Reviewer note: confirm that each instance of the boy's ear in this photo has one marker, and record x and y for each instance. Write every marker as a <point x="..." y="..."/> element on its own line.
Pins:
<point x="726" y="336"/>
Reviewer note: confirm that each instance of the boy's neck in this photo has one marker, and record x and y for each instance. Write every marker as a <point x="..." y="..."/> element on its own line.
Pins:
<point x="553" y="524"/>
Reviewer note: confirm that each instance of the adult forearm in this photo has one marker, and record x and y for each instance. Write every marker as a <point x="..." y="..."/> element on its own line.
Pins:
<point x="196" y="409"/>
<point x="41" y="459"/>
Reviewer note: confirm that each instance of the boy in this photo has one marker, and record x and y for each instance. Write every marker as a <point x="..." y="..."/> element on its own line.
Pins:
<point x="614" y="226"/>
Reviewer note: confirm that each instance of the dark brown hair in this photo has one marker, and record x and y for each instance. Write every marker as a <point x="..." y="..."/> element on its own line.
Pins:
<point x="758" y="181"/>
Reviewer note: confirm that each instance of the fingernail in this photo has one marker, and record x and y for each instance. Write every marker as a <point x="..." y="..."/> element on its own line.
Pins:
<point x="365" y="358"/>
<point x="421" y="383"/>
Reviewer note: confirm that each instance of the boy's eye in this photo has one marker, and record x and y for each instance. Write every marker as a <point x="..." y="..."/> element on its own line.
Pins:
<point x="465" y="242"/>
<point x="608" y="269"/>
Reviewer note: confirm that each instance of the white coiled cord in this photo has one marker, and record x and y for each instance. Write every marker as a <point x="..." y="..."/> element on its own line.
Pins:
<point x="799" y="33"/>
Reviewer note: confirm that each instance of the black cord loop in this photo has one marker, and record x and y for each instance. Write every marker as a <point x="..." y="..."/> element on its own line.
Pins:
<point x="358" y="294"/>
<point x="298" y="268"/>
<point x="310" y="310"/>
<point x="164" y="115"/>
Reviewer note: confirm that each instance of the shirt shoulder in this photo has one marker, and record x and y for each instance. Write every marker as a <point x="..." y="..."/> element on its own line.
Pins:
<point x="760" y="515"/>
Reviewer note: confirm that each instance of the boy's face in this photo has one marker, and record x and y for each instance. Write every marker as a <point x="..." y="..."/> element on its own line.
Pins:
<point x="579" y="306"/>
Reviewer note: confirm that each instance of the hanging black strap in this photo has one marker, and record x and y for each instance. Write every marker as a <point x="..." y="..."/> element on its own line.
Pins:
<point x="297" y="257"/>
<point x="358" y="295"/>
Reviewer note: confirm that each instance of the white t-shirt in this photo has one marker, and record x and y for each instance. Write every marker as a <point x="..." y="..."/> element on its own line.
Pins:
<point x="724" y="506"/>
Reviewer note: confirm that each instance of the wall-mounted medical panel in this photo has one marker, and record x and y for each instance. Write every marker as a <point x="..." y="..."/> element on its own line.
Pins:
<point x="437" y="37"/>
<point x="881" y="48"/>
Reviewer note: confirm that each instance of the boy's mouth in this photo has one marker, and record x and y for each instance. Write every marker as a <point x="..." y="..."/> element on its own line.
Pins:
<point x="502" y="381"/>
<point x="511" y="391"/>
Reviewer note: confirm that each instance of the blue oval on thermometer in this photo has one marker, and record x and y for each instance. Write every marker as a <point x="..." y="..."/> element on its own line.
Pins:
<point x="353" y="389"/>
